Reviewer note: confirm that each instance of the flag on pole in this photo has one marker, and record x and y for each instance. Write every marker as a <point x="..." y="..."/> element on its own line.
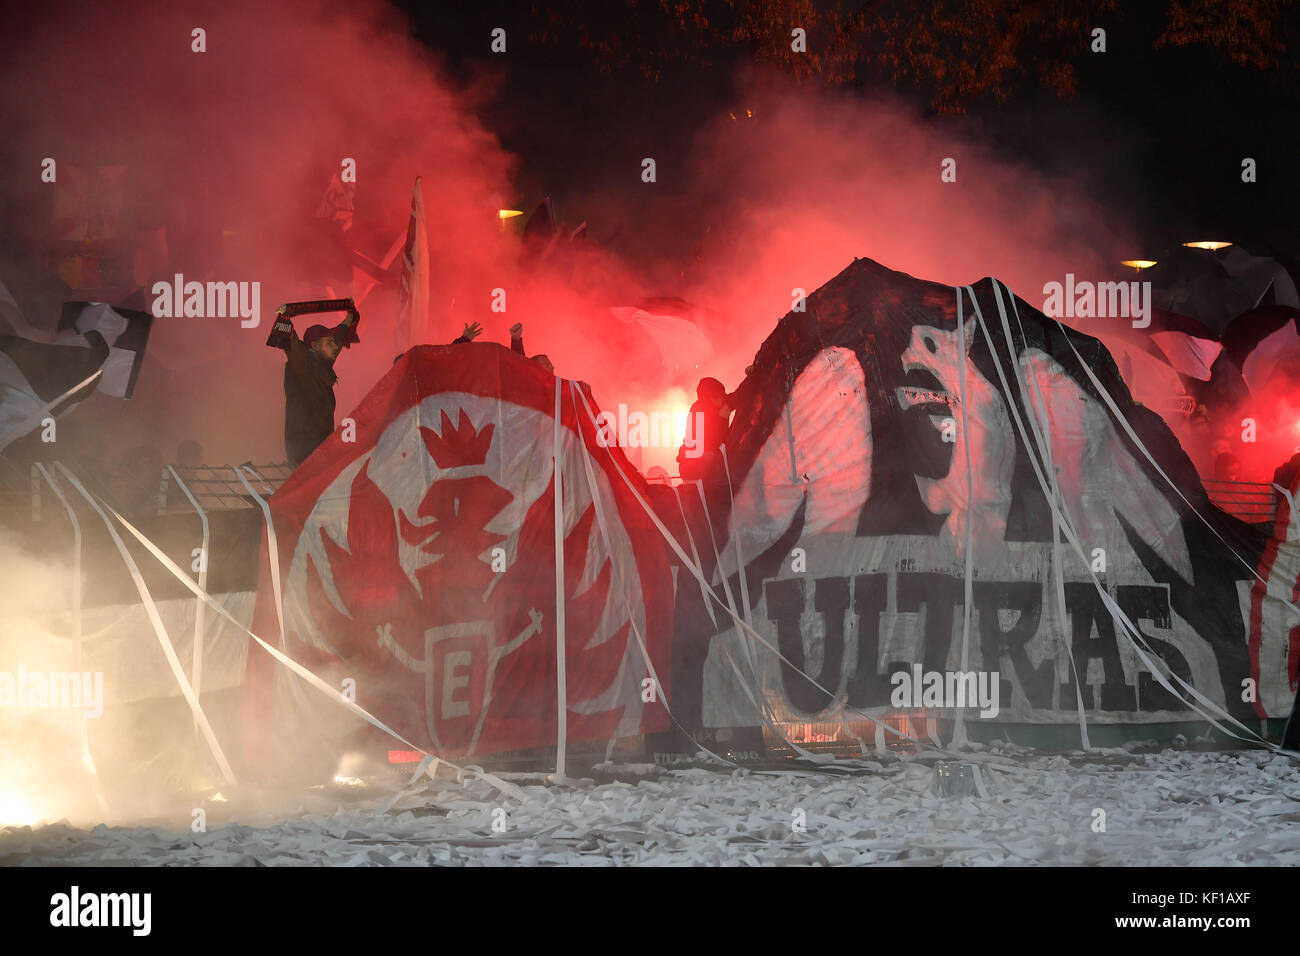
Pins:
<point x="125" y="330"/>
<point x="338" y="204"/>
<point x="413" y="292"/>
<point x="38" y="380"/>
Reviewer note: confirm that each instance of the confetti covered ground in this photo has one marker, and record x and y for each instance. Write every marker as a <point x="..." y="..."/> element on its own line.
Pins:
<point x="1163" y="808"/>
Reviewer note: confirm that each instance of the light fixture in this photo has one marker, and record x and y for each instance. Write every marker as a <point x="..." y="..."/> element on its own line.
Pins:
<point x="1210" y="244"/>
<point x="1138" y="264"/>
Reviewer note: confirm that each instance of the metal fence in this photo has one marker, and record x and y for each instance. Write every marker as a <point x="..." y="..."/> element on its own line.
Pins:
<point x="150" y="492"/>
<point x="1249" y="500"/>
<point x="140" y="493"/>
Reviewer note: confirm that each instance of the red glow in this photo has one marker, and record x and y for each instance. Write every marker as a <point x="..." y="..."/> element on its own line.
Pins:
<point x="255" y="129"/>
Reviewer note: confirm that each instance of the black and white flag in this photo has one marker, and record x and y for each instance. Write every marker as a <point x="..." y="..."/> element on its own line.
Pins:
<point x="125" y="330"/>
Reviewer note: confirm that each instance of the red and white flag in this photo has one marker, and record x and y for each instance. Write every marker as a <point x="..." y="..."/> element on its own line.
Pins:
<point x="419" y="562"/>
<point x="413" y="292"/>
<point x="338" y="204"/>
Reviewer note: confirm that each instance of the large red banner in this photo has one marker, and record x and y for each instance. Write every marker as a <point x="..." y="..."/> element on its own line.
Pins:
<point x="417" y="557"/>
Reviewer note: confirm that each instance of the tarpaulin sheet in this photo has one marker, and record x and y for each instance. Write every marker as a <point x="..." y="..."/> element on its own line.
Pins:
<point x="869" y="439"/>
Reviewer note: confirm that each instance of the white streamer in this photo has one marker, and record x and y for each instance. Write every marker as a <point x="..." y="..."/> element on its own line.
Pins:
<point x="316" y="682"/>
<point x="561" y="676"/>
<point x="164" y="641"/>
<point x="83" y="732"/>
<point x="1130" y="630"/>
<point x="196" y="669"/>
<point x="698" y="573"/>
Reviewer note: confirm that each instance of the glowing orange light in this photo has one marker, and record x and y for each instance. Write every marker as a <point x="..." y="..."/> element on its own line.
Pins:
<point x="15" y="810"/>
<point x="509" y="213"/>
<point x="1138" y="264"/>
<point x="1209" y="244"/>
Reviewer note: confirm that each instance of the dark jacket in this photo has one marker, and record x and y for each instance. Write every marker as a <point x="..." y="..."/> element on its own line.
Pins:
<point x="308" y="401"/>
<point x="706" y="430"/>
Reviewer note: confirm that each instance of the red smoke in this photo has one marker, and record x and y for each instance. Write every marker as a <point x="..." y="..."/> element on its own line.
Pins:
<point x="231" y="149"/>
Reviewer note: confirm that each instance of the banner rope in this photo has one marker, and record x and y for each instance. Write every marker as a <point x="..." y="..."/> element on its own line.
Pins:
<point x="83" y="731"/>
<point x="1058" y="576"/>
<point x="640" y="639"/>
<point x="305" y="674"/>
<point x="749" y="683"/>
<point x="1051" y="488"/>
<point x="151" y="609"/>
<point x="1123" y="422"/>
<point x="561" y="681"/>
<point x="698" y="573"/>
<point x="959" y="725"/>
<point x="1132" y="632"/>
<point x="1136" y="640"/>
<point x="196" y="668"/>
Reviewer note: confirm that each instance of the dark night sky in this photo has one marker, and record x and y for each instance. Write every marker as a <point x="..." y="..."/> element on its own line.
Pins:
<point x="1158" y="133"/>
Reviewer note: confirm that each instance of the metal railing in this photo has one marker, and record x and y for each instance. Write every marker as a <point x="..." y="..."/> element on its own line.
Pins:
<point x="142" y="493"/>
<point x="218" y="488"/>
<point x="1249" y="500"/>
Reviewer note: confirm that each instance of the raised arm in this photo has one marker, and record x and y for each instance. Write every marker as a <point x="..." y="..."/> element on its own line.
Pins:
<point x="299" y="358"/>
<point x="471" y="332"/>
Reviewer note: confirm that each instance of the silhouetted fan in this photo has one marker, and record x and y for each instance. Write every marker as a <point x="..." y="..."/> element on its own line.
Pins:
<point x="541" y="227"/>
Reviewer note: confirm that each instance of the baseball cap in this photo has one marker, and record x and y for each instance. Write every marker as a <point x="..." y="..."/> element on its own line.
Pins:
<point x="340" y="333"/>
<point x="314" y="333"/>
